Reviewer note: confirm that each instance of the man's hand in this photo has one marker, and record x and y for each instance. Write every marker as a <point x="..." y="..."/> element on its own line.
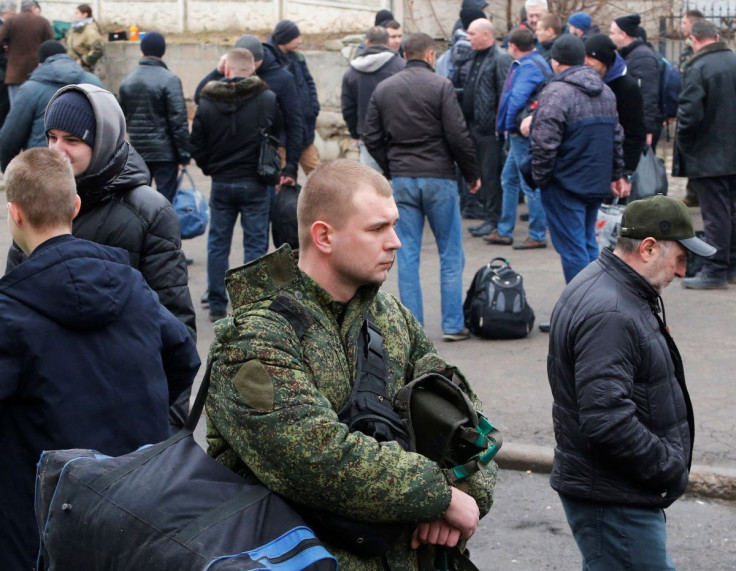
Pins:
<point x="436" y="533"/>
<point x="287" y="180"/>
<point x="474" y="186"/>
<point x="621" y="188"/>
<point x="526" y="126"/>
<point x="463" y="513"/>
<point x="221" y="64"/>
<point x="649" y="139"/>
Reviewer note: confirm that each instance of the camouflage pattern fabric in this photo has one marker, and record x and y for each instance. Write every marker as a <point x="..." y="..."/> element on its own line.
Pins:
<point x="273" y="402"/>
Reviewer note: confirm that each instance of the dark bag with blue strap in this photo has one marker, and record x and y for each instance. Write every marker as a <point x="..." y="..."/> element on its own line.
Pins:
<point x="167" y="507"/>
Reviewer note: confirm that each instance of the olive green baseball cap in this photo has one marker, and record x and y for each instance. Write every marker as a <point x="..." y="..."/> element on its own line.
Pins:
<point x="663" y="218"/>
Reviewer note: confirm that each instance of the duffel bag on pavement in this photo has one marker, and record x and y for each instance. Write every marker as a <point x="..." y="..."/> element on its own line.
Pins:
<point x="167" y="507"/>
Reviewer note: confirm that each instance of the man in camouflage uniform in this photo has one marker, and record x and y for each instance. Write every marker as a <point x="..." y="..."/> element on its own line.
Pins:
<point x="276" y="388"/>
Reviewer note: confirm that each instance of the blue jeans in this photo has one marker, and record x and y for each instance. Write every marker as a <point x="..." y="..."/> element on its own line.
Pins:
<point x="437" y="199"/>
<point x="612" y="537"/>
<point x="251" y="200"/>
<point x="165" y="174"/>
<point x="571" y="219"/>
<point x="511" y="182"/>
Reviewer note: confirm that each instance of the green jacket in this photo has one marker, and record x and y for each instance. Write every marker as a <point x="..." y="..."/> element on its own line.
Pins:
<point x="85" y="44"/>
<point x="273" y="402"/>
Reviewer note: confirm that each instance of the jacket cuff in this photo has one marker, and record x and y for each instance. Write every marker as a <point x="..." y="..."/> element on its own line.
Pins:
<point x="290" y="170"/>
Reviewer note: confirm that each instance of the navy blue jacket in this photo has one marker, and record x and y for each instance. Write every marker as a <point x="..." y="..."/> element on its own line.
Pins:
<point x="296" y="64"/>
<point x="24" y="128"/>
<point x="576" y="139"/>
<point x="623" y="420"/>
<point x="89" y="358"/>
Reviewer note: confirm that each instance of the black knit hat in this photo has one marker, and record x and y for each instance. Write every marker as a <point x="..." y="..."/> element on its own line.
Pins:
<point x="629" y="24"/>
<point x="602" y="48"/>
<point x="153" y="44"/>
<point x="73" y="113"/>
<point x="470" y="15"/>
<point x="285" y="31"/>
<point x="50" y="48"/>
<point x="252" y="44"/>
<point x="383" y="16"/>
<point x="568" y="50"/>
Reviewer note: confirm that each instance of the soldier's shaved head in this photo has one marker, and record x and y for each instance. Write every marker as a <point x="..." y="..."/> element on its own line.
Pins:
<point x="327" y="195"/>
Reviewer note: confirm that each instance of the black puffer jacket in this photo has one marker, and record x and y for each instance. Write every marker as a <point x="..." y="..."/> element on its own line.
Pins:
<point x="153" y="103"/>
<point x="706" y="115"/>
<point x="622" y="416"/>
<point x="120" y="209"/>
<point x="226" y="139"/>
<point x="643" y="66"/>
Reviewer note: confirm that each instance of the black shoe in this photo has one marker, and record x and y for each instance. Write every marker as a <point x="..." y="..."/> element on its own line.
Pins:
<point x="482" y="230"/>
<point x="216" y="315"/>
<point x="189" y="261"/>
<point x="544" y="327"/>
<point x="205" y="299"/>
<point x="461" y="335"/>
<point x="524" y="217"/>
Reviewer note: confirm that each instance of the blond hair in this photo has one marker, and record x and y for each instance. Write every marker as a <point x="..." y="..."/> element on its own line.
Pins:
<point x="327" y="195"/>
<point x="41" y="182"/>
<point x="241" y="62"/>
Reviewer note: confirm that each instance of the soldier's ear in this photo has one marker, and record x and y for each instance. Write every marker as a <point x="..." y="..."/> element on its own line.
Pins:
<point x="322" y="236"/>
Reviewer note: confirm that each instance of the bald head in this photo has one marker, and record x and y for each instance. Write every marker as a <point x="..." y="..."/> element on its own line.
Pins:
<point x="481" y="34"/>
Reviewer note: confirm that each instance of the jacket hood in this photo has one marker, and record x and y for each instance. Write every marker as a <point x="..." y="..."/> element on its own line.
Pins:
<point x="234" y="90"/>
<point x="373" y="59"/>
<point x="617" y="69"/>
<point x="110" y="132"/>
<point x="78" y="284"/>
<point x="271" y="61"/>
<point x="582" y="77"/>
<point x="115" y="165"/>
<point x="59" y="69"/>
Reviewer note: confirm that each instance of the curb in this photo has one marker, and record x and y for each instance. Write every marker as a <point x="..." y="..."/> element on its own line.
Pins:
<point x="714" y="482"/>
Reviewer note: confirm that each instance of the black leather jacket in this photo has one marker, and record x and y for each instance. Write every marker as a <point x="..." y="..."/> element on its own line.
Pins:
<point x="622" y="416"/>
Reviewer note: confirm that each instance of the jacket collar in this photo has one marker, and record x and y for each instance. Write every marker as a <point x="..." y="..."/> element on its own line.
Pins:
<point x="709" y="49"/>
<point x="419" y="63"/>
<point x="152" y="61"/>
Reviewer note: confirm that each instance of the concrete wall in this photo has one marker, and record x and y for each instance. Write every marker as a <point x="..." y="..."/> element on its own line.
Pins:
<point x="435" y="17"/>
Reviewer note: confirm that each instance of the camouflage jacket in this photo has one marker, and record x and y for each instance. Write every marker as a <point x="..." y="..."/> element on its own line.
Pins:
<point x="274" y="397"/>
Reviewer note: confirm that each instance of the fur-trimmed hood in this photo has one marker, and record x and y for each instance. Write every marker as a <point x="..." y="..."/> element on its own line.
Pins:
<point x="234" y="90"/>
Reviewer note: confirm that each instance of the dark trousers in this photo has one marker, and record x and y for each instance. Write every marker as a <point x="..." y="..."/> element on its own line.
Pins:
<point x="717" y="196"/>
<point x="4" y="103"/>
<point x="165" y="174"/>
<point x="490" y="158"/>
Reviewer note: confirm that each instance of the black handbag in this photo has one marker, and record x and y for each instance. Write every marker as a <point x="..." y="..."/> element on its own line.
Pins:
<point x="269" y="158"/>
<point x="284" y="227"/>
<point x="169" y="507"/>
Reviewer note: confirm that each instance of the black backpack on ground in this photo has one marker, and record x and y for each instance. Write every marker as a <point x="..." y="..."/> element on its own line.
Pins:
<point x="496" y="306"/>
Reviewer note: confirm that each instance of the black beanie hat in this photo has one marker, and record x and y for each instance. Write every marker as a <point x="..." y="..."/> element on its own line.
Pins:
<point x="602" y="48"/>
<point x="50" y="48"/>
<point x="629" y="24"/>
<point x="383" y="16"/>
<point x="73" y="113"/>
<point x="285" y="31"/>
<point x="568" y="50"/>
<point x="153" y="44"/>
<point x="470" y="15"/>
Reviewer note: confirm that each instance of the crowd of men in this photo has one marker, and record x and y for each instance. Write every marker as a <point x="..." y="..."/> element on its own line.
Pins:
<point x="556" y="113"/>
